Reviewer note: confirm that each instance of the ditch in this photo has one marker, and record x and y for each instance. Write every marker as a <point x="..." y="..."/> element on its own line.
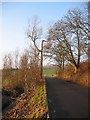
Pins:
<point x="9" y="98"/>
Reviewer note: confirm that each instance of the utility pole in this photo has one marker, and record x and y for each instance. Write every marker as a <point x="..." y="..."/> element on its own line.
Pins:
<point x="42" y="59"/>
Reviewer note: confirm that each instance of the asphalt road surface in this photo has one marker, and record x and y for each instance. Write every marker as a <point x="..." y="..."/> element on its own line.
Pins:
<point x="66" y="99"/>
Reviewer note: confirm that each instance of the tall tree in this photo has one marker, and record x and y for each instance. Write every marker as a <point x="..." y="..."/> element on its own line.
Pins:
<point x="77" y="23"/>
<point x="34" y="33"/>
<point x="68" y="38"/>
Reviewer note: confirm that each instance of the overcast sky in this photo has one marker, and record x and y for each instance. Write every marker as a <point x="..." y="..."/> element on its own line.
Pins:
<point x="15" y="19"/>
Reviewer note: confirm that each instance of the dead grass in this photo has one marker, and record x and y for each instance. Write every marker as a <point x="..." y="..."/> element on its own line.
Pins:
<point x="81" y="77"/>
<point x="30" y="105"/>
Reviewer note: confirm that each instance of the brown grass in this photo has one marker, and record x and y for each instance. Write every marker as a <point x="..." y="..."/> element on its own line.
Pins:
<point x="81" y="77"/>
<point x="29" y="106"/>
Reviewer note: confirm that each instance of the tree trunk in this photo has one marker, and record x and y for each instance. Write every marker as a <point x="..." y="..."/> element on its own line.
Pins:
<point x="63" y="63"/>
<point x="41" y="65"/>
<point x="78" y="62"/>
<point x="74" y="66"/>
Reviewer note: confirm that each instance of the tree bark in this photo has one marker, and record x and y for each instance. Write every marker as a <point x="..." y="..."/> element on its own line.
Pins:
<point x="78" y="62"/>
<point x="75" y="67"/>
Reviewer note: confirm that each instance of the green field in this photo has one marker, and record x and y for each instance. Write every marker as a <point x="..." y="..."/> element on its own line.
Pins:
<point x="49" y="72"/>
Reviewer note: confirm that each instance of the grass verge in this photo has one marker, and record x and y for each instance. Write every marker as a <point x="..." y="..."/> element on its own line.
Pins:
<point x="30" y="105"/>
<point x="80" y="77"/>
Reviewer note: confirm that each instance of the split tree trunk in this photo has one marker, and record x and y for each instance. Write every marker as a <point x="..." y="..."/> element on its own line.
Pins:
<point x="75" y="67"/>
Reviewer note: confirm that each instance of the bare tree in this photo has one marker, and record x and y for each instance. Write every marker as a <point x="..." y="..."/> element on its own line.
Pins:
<point x="5" y="62"/>
<point x="34" y="33"/>
<point x="16" y="58"/>
<point x="67" y="40"/>
<point x="7" y="73"/>
<point x="29" y="67"/>
<point x="8" y="61"/>
<point x="23" y="69"/>
<point x="77" y="23"/>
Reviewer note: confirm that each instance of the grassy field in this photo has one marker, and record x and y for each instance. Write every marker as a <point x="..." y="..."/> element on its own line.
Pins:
<point x="49" y="72"/>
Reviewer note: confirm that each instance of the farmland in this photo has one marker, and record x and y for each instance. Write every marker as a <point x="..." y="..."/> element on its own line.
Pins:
<point x="49" y="72"/>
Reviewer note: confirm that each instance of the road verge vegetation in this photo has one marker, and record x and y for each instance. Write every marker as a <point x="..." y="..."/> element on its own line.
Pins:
<point x="22" y="86"/>
<point x="81" y="76"/>
<point x="30" y="105"/>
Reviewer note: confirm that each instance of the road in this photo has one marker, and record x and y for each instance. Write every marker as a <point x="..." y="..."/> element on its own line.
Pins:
<point x="66" y="99"/>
